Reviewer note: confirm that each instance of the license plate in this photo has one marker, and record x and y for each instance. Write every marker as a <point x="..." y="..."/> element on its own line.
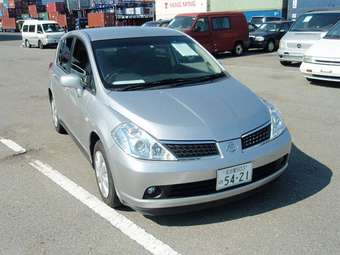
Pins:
<point x="233" y="176"/>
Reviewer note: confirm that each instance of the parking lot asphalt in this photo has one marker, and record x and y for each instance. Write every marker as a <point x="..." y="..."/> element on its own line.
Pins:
<point x="298" y="214"/>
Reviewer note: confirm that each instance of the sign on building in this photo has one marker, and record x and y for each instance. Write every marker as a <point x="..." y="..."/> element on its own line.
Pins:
<point x="168" y="9"/>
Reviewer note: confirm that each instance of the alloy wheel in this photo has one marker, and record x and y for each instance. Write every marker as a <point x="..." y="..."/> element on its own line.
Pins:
<point x="102" y="174"/>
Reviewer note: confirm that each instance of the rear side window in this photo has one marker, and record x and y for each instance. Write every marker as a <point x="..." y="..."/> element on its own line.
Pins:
<point x="25" y="28"/>
<point x="31" y="28"/>
<point x="64" y="54"/>
<point x="221" y="23"/>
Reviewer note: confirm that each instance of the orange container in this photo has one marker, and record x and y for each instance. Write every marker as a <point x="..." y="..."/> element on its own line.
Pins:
<point x="8" y="23"/>
<point x="100" y="19"/>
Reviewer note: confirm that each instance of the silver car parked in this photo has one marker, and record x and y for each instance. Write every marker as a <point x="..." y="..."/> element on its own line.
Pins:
<point x="161" y="121"/>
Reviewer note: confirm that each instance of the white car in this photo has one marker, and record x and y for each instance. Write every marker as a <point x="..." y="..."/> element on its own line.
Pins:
<point x="40" y="33"/>
<point x="322" y="61"/>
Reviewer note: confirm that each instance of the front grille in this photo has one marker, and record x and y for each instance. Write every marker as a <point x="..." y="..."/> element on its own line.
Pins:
<point x="209" y="186"/>
<point x="327" y="62"/>
<point x="299" y="46"/>
<point x="193" y="150"/>
<point x="256" y="137"/>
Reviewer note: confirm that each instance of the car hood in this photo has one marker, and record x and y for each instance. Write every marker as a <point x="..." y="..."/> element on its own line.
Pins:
<point x="219" y="111"/>
<point x="261" y="33"/>
<point x="325" y="48"/>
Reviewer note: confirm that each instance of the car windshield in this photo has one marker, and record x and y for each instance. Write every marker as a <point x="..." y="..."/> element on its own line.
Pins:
<point x="316" y="22"/>
<point x="269" y="27"/>
<point x="334" y="33"/>
<point x="52" y="28"/>
<point x="182" y="22"/>
<point x="257" y="20"/>
<point x="150" y="61"/>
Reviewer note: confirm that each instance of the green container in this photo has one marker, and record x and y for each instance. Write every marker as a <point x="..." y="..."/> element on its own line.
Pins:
<point x="43" y="15"/>
<point x="244" y="5"/>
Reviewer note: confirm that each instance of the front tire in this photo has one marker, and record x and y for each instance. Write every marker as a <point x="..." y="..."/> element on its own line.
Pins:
<point x="285" y="63"/>
<point x="40" y="45"/>
<point x="238" y="49"/>
<point x="270" y="46"/>
<point x="104" y="177"/>
<point x="55" y="119"/>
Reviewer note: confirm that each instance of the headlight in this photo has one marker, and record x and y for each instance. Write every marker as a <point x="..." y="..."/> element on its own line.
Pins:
<point x="308" y="59"/>
<point x="277" y="123"/>
<point x="259" y="38"/>
<point x="282" y="44"/>
<point x="139" y="144"/>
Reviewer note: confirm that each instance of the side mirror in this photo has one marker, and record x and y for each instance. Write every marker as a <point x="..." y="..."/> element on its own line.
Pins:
<point x="71" y="81"/>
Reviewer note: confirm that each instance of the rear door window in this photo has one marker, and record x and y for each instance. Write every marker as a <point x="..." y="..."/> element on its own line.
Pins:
<point x="221" y="23"/>
<point x="31" y="28"/>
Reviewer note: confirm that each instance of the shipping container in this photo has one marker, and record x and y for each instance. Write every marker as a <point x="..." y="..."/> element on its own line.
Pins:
<point x="55" y="7"/>
<point x="101" y="19"/>
<point x="8" y="23"/>
<point x="298" y="7"/>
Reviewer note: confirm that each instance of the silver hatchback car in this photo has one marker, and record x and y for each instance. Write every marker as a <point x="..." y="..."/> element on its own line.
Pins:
<point x="161" y="121"/>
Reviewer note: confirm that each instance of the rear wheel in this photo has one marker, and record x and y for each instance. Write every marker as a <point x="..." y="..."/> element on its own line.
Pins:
<point x="238" y="49"/>
<point x="285" y="63"/>
<point x="270" y="46"/>
<point x="27" y="44"/>
<point x="104" y="177"/>
<point x="40" y="45"/>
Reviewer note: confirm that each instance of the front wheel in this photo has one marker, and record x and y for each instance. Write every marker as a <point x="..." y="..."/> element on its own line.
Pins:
<point x="55" y="119"/>
<point x="104" y="177"/>
<point x="40" y="45"/>
<point x="270" y="46"/>
<point x="238" y="49"/>
<point x="285" y="63"/>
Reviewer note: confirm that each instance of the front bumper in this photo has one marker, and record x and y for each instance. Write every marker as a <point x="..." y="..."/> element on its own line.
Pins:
<point x="321" y="72"/>
<point x="132" y="176"/>
<point x="51" y="41"/>
<point x="291" y="56"/>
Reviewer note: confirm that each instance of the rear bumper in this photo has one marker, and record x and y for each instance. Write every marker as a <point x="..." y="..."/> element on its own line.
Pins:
<point x="321" y="72"/>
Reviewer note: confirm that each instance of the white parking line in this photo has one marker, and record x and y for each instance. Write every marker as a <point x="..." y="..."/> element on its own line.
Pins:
<point x="13" y="146"/>
<point x="117" y="220"/>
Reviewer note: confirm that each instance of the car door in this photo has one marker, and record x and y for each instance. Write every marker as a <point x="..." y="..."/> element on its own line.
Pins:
<point x="31" y="35"/>
<point x="201" y="32"/>
<point x="62" y="68"/>
<point x="79" y="101"/>
<point x="222" y="33"/>
<point x="40" y="33"/>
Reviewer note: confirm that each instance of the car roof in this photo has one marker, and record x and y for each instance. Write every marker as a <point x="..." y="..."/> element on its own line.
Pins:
<point x="211" y="13"/>
<point x="323" y="11"/>
<point x="35" y="21"/>
<point x="107" y="33"/>
<point x="278" y="22"/>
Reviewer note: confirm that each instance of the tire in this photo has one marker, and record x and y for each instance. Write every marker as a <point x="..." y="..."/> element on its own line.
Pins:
<point x="55" y="119"/>
<point x="27" y="44"/>
<point x="285" y="63"/>
<point x="40" y="45"/>
<point x="104" y="177"/>
<point x="270" y="46"/>
<point x="238" y="49"/>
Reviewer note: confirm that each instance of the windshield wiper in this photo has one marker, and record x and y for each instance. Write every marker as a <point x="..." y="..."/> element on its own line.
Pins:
<point x="169" y="83"/>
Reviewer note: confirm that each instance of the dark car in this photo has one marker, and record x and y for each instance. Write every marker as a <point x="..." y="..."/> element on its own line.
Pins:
<point x="158" y="23"/>
<point x="259" y="20"/>
<point x="251" y="27"/>
<point x="268" y="35"/>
